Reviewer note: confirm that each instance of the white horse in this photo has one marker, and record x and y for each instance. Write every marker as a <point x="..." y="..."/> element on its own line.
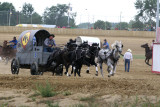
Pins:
<point x="110" y="57"/>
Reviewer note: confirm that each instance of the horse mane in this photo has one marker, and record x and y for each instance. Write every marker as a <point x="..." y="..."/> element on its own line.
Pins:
<point x="116" y="43"/>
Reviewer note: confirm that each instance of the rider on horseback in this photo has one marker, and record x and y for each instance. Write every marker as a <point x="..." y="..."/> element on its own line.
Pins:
<point x="13" y="43"/>
<point x="151" y="46"/>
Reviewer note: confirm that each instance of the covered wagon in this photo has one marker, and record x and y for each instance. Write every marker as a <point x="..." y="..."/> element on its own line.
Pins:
<point x="90" y="40"/>
<point x="30" y="54"/>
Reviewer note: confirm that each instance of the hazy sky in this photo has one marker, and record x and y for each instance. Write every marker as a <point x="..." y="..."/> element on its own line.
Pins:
<point x="87" y="10"/>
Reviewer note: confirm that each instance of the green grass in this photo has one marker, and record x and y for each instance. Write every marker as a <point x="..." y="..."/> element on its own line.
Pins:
<point x="49" y="104"/>
<point x="4" y="105"/>
<point x="90" y="100"/>
<point x="45" y="90"/>
<point x="138" y="57"/>
<point x="66" y="93"/>
<point x="79" y="105"/>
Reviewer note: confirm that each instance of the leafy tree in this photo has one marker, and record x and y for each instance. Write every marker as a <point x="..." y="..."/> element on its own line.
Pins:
<point x="146" y="10"/>
<point x="102" y="25"/>
<point x="122" y="25"/>
<point x="27" y="9"/>
<point x="99" y="24"/>
<point x="36" y="18"/>
<point x="136" y="24"/>
<point x="108" y="25"/>
<point x="85" y="25"/>
<point x="28" y="16"/>
<point x="57" y="15"/>
<point x="7" y="12"/>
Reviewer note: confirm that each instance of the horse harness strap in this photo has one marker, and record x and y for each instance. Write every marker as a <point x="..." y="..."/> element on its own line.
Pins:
<point x="112" y="58"/>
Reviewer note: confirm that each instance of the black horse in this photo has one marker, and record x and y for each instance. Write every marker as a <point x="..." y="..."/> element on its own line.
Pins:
<point x="93" y="50"/>
<point x="148" y="53"/>
<point x="62" y="57"/>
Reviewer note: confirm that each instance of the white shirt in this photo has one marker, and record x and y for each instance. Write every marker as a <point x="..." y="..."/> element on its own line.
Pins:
<point x="128" y="55"/>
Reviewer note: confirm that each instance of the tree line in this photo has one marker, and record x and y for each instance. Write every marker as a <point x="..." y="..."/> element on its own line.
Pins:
<point x="58" y="15"/>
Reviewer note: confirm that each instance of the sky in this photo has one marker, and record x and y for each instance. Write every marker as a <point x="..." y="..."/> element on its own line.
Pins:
<point x="87" y="10"/>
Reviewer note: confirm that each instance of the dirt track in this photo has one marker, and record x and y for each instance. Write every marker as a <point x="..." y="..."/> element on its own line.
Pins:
<point x="124" y="86"/>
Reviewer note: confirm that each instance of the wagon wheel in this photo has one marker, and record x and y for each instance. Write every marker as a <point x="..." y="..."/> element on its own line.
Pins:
<point x="15" y="66"/>
<point x="34" y="69"/>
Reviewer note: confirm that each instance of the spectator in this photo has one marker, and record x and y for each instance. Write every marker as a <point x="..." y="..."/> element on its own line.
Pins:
<point x="127" y="58"/>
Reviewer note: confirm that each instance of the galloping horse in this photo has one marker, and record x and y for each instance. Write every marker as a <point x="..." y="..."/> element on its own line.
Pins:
<point x="148" y="53"/>
<point x="110" y="57"/>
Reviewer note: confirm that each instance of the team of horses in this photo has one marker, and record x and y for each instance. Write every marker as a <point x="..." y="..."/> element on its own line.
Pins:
<point x="84" y="54"/>
<point x="7" y="52"/>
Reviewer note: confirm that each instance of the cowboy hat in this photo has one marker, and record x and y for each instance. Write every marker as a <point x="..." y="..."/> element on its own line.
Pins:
<point x="129" y="50"/>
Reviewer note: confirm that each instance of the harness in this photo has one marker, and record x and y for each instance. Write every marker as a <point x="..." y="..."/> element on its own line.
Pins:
<point x="113" y="58"/>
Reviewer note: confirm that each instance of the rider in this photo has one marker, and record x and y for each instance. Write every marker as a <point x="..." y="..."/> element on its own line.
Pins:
<point x="13" y="43"/>
<point x="106" y="44"/>
<point x="151" y="46"/>
<point x="49" y="43"/>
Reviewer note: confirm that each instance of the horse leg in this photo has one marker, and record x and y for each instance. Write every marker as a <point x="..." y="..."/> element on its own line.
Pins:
<point x="96" y="68"/>
<point x="87" y="70"/>
<point x="66" y="73"/>
<point x="75" y="71"/>
<point x="111" y="72"/>
<point x="53" y="71"/>
<point x="146" y="61"/>
<point x="114" y="70"/>
<point x="79" y="72"/>
<point x="72" y="70"/>
<point x="101" y="68"/>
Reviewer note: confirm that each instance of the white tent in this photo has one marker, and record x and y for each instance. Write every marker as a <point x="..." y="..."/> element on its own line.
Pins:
<point x="91" y="40"/>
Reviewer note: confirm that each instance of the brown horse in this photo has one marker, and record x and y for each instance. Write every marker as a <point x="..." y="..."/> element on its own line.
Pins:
<point x="7" y="52"/>
<point x="148" y="53"/>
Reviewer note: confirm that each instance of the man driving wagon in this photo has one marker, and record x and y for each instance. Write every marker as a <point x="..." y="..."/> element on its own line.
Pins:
<point x="13" y="43"/>
<point x="49" y="43"/>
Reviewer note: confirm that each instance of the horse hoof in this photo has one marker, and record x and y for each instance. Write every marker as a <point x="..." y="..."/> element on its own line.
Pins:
<point x="109" y="76"/>
<point x="112" y="75"/>
<point x="87" y="71"/>
<point x="96" y="74"/>
<point x="65" y="73"/>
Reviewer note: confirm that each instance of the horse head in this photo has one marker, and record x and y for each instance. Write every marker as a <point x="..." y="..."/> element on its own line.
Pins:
<point x="71" y="46"/>
<point x="85" y="45"/>
<point x="145" y="45"/>
<point x="117" y="45"/>
<point x="95" y="49"/>
<point x="5" y="43"/>
<point x="72" y="41"/>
